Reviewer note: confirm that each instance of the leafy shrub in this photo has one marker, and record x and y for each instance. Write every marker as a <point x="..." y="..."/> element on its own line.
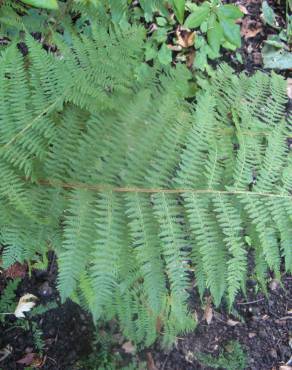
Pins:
<point x="104" y="160"/>
<point x="161" y="19"/>
<point x="217" y="21"/>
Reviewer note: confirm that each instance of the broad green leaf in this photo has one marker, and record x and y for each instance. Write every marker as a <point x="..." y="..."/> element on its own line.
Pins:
<point x="275" y="58"/>
<point x="231" y="32"/>
<point x="196" y="18"/>
<point x="160" y="35"/>
<point x="179" y="10"/>
<point x="204" y="27"/>
<point x="44" y="4"/>
<point x="229" y="11"/>
<point x="215" y="36"/>
<point x="161" y="21"/>
<point x="269" y="14"/>
<point x="211" y="53"/>
<point x="239" y="58"/>
<point x="165" y="55"/>
<point x="227" y="45"/>
<point x="199" y="42"/>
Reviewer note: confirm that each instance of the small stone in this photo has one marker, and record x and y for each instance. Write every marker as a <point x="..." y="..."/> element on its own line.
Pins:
<point x="274" y="284"/>
<point x="251" y="335"/>
<point x="45" y="290"/>
<point x="273" y="353"/>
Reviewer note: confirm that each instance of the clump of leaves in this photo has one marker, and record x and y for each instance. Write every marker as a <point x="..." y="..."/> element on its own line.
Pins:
<point x="214" y="24"/>
<point x="217" y="28"/>
<point x="232" y="357"/>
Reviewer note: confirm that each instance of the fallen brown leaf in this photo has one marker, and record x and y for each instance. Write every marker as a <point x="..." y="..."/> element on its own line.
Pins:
<point x="16" y="270"/>
<point x="285" y="367"/>
<point x="190" y="58"/>
<point x="274" y="284"/>
<point x="208" y="314"/>
<point x="243" y="9"/>
<point x="185" y="38"/>
<point x="232" y="322"/>
<point x="128" y="347"/>
<point x="150" y="362"/>
<point x="158" y="324"/>
<point x="27" y="359"/>
<point x="250" y="28"/>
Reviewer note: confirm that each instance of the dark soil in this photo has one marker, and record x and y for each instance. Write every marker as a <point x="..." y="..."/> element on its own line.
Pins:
<point x="66" y="330"/>
<point x="264" y="329"/>
<point x="261" y="324"/>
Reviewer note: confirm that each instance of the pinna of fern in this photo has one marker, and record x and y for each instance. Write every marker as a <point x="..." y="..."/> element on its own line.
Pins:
<point x="139" y="192"/>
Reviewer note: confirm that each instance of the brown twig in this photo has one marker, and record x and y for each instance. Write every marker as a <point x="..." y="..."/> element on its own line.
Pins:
<point x="251" y="302"/>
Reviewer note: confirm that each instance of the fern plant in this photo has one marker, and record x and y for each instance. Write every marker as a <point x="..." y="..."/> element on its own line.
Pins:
<point x="138" y="191"/>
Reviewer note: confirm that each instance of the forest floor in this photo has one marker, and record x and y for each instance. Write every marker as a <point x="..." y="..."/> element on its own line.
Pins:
<point x="261" y="323"/>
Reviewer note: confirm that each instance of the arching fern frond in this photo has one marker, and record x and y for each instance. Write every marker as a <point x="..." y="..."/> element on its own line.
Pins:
<point x="141" y="193"/>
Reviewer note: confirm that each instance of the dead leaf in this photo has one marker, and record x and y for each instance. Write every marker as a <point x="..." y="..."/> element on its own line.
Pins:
<point x="274" y="284"/>
<point x="150" y="362"/>
<point x="243" y="9"/>
<point x="185" y="38"/>
<point x="38" y="362"/>
<point x="174" y="47"/>
<point x="33" y="360"/>
<point x="190" y="58"/>
<point x="16" y="270"/>
<point x="289" y="93"/>
<point x="27" y="359"/>
<point x="285" y="367"/>
<point x="128" y="347"/>
<point x="208" y="314"/>
<point x="25" y="304"/>
<point x="158" y="324"/>
<point x="250" y="28"/>
<point x="232" y="322"/>
<point x="251" y="335"/>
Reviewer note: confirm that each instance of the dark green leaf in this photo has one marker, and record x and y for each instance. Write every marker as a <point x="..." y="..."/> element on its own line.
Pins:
<point x="197" y="17"/>
<point x="214" y="36"/>
<point x="44" y="4"/>
<point x="231" y="32"/>
<point x="179" y="10"/>
<point x="161" y="21"/>
<point x="229" y="11"/>
<point x="269" y="14"/>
